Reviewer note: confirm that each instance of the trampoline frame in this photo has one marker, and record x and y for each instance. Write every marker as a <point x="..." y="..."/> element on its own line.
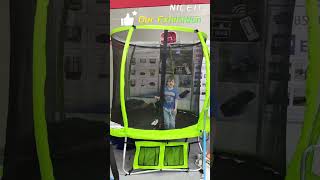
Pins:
<point x="39" y="78"/>
<point x="197" y="130"/>
<point x="39" y="75"/>
<point x="38" y="86"/>
<point x="188" y="132"/>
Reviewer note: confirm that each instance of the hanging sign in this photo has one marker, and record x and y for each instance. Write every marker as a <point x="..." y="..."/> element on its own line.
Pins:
<point x="172" y="37"/>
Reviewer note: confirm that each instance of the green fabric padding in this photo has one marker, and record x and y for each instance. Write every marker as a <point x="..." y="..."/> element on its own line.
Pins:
<point x="315" y="136"/>
<point x="183" y="161"/>
<point x="158" y="27"/>
<point x="39" y="78"/>
<point x="309" y="134"/>
<point x="120" y="29"/>
<point x="144" y="152"/>
<point x="149" y="156"/>
<point x="188" y="132"/>
<point x="161" y="155"/>
<point x="173" y="156"/>
<point x="206" y="104"/>
<point x="169" y="28"/>
<point x="122" y="78"/>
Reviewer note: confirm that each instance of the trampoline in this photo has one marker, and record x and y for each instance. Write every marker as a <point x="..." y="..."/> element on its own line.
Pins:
<point x="146" y="59"/>
<point x="56" y="126"/>
<point x="36" y="142"/>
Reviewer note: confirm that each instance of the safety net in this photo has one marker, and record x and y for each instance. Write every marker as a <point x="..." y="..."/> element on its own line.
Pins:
<point x="70" y="89"/>
<point x="163" y="78"/>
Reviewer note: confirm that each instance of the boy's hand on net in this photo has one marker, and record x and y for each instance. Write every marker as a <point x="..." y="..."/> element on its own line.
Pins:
<point x="157" y="98"/>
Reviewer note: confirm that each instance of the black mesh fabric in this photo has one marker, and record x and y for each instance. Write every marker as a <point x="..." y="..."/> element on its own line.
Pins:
<point x="145" y="77"/>
<point x="77" y="93"/>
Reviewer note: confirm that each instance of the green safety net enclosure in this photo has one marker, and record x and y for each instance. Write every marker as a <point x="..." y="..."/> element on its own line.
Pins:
<point x="310" y="132"/>
<point x="144" y="58"/>
<point x="59" y="100"/>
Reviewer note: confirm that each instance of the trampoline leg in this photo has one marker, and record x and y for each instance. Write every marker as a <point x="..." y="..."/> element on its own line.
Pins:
<point x="201" y="151"/>
<point x="204" y="162"/>
<point x="124" y="156"/>
<point x="199" y="143"/>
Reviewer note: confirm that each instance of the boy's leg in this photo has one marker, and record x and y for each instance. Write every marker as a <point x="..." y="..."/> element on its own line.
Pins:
<point x="173" y="120"/>
<point x="166" y="119"/>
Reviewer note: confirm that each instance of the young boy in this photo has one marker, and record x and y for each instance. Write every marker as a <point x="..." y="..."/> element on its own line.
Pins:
<point x="170" y="104"/>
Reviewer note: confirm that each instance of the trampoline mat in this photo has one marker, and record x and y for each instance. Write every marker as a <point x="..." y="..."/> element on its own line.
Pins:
<point x="141" y="117"/>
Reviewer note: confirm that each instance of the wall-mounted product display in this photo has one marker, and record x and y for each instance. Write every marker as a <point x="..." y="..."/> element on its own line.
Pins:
<point x="85" y="54"/>
<point x="299" y="98"/>
<point x="104" y="67"/>
<point x="99" y="37"/>
<point x="274" y="97"/>
<point x="143" y="71"/>
<point x="299" y="71"/>
<point x="238" y="64"/>
<point x="236" y="22"/>
<point x="74" y="63"/>
<point x="73" y="67"/>
<point x="250" y="58"/>
<point x="78" y="6"/>
<point x="237" y="104"/>
<point x="150" y="69"/>
<point x="76" y="30"/>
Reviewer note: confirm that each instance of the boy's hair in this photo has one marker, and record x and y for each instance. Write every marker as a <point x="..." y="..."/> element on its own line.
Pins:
<point x="170" y="78"/>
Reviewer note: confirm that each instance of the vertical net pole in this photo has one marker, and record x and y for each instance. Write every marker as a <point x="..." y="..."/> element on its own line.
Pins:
<point x="206" y="102"/>
<point x="163" y="57"/>
<point x="39" y="78"/>
<point x="312" y="94"/>
<point x="122" y="77"/>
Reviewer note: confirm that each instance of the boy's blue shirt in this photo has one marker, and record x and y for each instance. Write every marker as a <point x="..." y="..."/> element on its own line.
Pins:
<point x="170" y="97"/>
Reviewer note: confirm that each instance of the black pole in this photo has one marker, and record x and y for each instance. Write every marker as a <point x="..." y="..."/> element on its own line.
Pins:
<point x="163" y="57"/>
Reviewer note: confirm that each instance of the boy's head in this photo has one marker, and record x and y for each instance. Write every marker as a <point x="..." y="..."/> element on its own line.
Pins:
<point x="170" y="82"/>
